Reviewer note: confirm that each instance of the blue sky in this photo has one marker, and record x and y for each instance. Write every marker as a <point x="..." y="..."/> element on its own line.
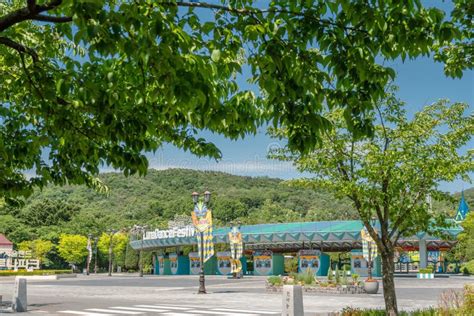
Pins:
<point x="421" y="82"/>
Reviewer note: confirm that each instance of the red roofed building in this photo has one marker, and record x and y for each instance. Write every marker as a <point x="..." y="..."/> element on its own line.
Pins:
<point x="6" y="246"/>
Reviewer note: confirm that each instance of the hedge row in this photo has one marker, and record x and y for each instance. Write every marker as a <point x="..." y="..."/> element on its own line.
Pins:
<point x="34" y="272"/>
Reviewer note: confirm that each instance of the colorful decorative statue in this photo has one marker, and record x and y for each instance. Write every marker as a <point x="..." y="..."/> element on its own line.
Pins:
<point x="236" y="250"/>
<point x="202" y="220"/>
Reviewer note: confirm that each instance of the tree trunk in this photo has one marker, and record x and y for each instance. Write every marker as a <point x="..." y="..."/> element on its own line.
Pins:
<point x="389" y="294"/>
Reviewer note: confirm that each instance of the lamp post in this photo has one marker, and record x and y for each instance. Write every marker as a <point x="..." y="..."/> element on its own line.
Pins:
<point x="140" y="229"/>
<point x="112" y="232"/>
<point x="207" y="198"/>
<point x="89" y="253"/>
<point x="96" y="265"/>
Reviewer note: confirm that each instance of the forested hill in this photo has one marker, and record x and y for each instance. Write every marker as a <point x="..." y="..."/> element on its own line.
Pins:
<point x="156" y="198"/>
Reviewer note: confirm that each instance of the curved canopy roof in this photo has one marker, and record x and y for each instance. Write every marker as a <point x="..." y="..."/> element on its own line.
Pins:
<point x="326" y="235"/>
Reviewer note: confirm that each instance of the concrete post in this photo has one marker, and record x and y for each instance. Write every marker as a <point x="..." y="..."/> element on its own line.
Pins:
<point x="20" y="303"/>
<point x="423" y="254"/>
<point x="292" y="300"/>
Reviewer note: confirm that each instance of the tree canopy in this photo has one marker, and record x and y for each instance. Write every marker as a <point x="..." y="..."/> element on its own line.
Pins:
<point x="86" y="83"/>
<point x="389" y="176"/>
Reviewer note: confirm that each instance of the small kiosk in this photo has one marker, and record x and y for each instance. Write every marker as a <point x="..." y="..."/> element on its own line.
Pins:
<point x="179" y="265"/>
<point x="210" y="266"/>
<point x="163" y="265"/>
<point x="313" y="260"/>
<point x="359" y="264"/>
<point x="265" y="262"/>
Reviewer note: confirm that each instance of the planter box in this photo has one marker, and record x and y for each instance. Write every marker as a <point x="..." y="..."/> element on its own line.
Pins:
<point x="425" y="275"/>
<point x="349" y="289"/>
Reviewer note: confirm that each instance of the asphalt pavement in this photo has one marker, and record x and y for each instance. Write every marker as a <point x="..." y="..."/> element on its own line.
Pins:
<point x="100" y="295"/>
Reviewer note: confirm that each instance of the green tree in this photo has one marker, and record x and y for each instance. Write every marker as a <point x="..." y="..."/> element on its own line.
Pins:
<point x="464" y="249"/>
<point x="119" y="245"/>
<point x="39" y="249"/>
<point x="103" y="82"/>
<point x="48" y="212"/>
<point x="389" y="176"/>
<point x="72" y="248"/>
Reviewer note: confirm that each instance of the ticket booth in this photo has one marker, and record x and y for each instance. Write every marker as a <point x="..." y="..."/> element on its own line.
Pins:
<point x="179" y="265"/>
<point x="210" y="266"/>
<point x="359" y="264"/>
<point x="314" y="260"/>
<point x="163" y="265"/>
<point x="265" y="262"/>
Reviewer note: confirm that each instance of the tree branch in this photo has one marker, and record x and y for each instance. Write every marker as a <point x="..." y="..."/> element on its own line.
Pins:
<point x="53" y="19"/>
<point x="403" y="216"/>
<point x="19" y="47"/>
<point x="251" y="11"/>
<point x="27" y="13"/>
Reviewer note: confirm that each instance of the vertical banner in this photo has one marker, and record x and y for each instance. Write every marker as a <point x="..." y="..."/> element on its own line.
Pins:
<point x="89" y="252"/>
<point x="366" y="242"/>
<point x="236" y="249"/>
<point x="173" y="263"/>
<point x="202" y="220"/>
<point x="309" y="259"/>
<point x="194" y="263"/>
<point x="262" y="260"/>
<point x="224" y="262"/>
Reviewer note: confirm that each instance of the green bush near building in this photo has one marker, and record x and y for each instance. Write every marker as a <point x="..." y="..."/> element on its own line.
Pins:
<point x="468" y="267"/>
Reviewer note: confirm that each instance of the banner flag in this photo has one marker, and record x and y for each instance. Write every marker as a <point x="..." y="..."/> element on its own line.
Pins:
<point x="366" y="240"/>
<point x="202" y="220"/>
<point x="89" y="249"/>
<point x="236" y="249"/>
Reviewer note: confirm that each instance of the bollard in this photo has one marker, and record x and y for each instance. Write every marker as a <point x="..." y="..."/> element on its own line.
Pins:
<point x="293" y="300"/>
<point x="19" y="301"/>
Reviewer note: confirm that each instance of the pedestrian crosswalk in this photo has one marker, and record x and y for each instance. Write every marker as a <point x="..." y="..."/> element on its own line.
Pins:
<point x="168" y="310"/>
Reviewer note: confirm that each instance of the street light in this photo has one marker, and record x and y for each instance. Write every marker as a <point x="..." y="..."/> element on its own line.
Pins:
<point x="111" y="232"/>
<point x="139" y="230"/>
<point x="207" y="199"/>
<point x="96" y="244"/>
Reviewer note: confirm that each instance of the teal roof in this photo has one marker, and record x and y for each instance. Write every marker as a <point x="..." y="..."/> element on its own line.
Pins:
<point x="301" y="232"/>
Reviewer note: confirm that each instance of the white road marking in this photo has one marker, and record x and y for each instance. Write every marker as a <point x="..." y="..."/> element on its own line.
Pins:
<point x="166" y="307"/>
<point x="84" y="313"/>
<point x="218" y="313"/>
<point x="141" y="309"/>
<point x="179" y="314"/>
<point x="113" y="311"/>
<point x="244" y="311"/>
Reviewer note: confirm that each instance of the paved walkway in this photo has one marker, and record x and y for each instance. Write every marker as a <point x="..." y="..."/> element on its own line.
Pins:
<point x="164" y="295"/>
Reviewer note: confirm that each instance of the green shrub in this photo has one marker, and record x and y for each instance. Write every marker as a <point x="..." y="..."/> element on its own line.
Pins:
<point x="34" y="272"/>
<point x="308" y="277"/>
<point x="355" y="277"/>
<point x="425" y="270"/>
<point x="275" y="280"/>
<point x="330" y="276"/>
<point x="468" y="267"/>
<point x="291" y="265"/>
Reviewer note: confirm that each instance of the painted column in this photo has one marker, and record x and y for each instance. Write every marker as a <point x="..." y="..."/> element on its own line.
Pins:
<point x="423" y="254"/>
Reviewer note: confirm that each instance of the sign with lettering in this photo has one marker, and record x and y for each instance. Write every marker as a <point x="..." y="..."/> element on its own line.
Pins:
<point x="175" y="232"/>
